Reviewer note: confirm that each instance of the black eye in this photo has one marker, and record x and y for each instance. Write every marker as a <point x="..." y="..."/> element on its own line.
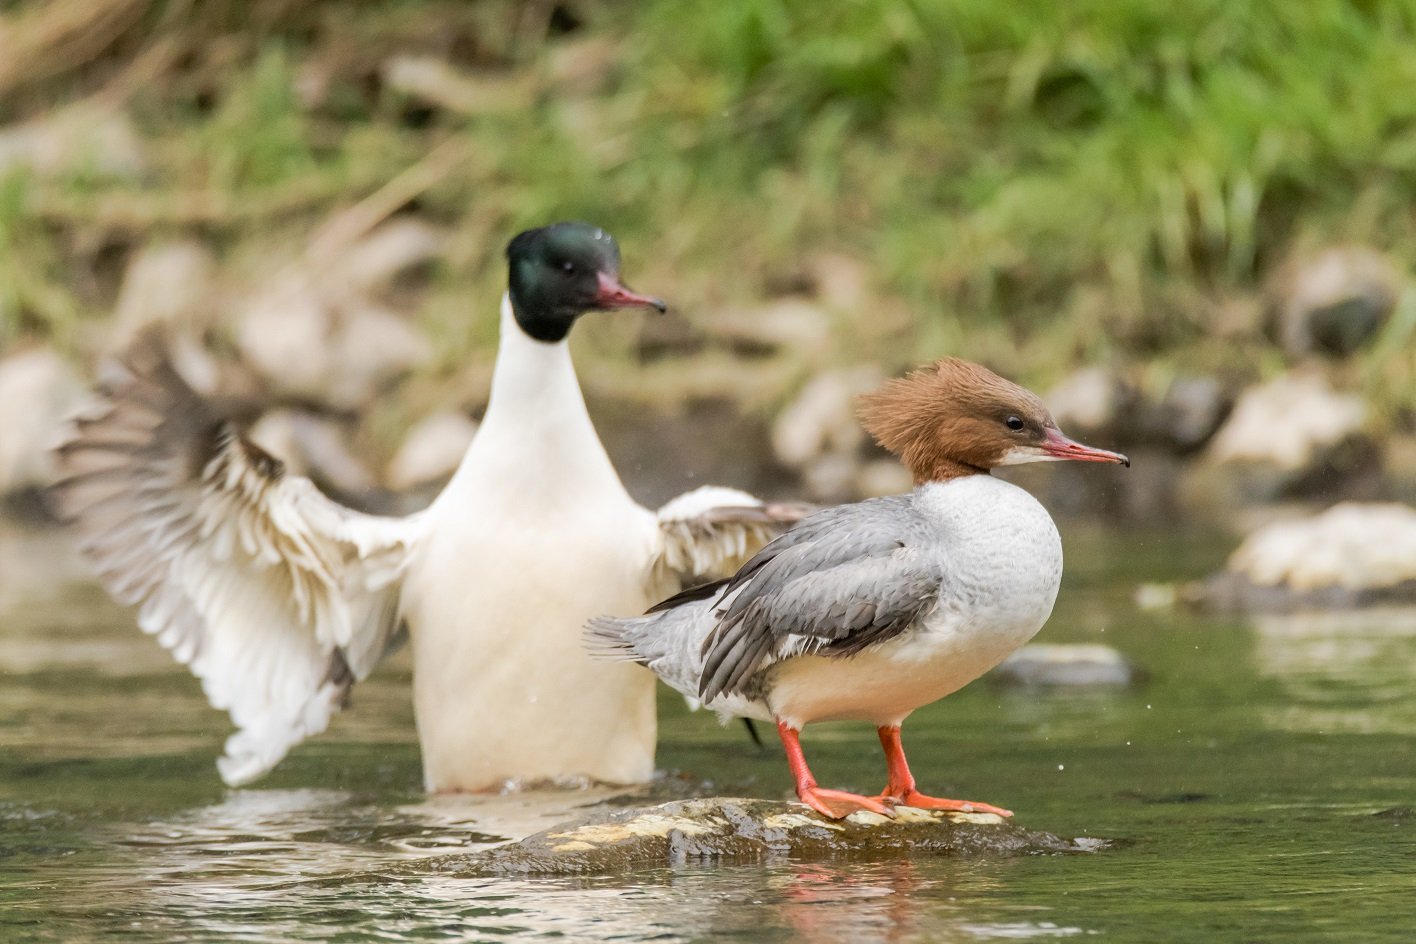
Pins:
<point x="568" y="267"/>
<point x="1014" y="423"/>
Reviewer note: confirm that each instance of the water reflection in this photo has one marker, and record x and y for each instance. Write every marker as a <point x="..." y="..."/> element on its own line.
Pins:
<point x="1342" y="671"/>
<point x="831" y="905"/>
<point x="296" y="865"/>
<point x="287" y="864"/>
<point x="114" y="826"/>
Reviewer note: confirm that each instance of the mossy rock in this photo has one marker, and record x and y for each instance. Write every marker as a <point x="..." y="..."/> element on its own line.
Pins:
<point x="743" y="830"/>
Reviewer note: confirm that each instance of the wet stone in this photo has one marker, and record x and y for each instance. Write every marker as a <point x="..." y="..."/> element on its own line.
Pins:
<point x="727" y="828"/>
<point x="1072" y="665"/>
<point x="1353" y="554"/>
<point x="316" y="446"/>
<point x="819" y="437"/>
<point x="166" y="282"/>
<point x="1289" y="423"/>
<point x="821" y="419"/>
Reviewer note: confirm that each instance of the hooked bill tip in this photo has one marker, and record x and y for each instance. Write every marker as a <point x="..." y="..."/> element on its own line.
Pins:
<point x="615" y="294"/>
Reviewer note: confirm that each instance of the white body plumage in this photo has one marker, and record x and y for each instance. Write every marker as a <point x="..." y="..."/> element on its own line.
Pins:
<point x="551" y="534"/>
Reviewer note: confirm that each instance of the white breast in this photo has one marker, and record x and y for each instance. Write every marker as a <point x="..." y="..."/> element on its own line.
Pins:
<point x="533" y="536"/>
<point x="1003" y="563"/>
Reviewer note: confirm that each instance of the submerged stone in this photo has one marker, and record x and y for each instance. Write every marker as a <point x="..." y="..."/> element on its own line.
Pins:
<point x="1067" y="665"/>
<point x="729" y="828"/>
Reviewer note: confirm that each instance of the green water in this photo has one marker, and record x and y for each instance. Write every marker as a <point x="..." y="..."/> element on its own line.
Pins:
<point x="1261" y="786"/>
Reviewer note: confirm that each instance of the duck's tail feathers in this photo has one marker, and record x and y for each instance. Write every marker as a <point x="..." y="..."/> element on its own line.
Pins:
<point x="668" y="642"/>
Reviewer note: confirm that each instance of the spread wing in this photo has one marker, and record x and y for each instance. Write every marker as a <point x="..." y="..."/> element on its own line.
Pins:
<point x="277" y="598"/>
<point x="840" y="581"/>
<point x="711" y="531"/>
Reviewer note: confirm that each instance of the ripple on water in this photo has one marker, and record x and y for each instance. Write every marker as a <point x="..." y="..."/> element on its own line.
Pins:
<point x="1238" y="820"/>
<point x="1341" y="671"/>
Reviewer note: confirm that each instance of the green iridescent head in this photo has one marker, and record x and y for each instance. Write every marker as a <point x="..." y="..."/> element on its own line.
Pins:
<point x="559" y="272"/>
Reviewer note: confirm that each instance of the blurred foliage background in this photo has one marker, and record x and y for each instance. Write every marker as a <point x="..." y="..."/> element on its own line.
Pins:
<point x="1035" y="185"/>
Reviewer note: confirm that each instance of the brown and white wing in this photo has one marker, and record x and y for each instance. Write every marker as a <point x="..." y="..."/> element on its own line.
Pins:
<point x="710" y="532"/>
<point x="275" y="597"/>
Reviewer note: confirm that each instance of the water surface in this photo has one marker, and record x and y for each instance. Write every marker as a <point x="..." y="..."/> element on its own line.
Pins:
<point x="1259" y="787"/>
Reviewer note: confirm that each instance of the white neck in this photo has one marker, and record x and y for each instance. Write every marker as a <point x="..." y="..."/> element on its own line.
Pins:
<point x="536" y="433"/>
<point x="531" y="374"/>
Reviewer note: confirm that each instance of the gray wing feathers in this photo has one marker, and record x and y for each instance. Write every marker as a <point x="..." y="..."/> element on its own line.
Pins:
<point x="842" y="580"/>
<point x="274" y="596"/>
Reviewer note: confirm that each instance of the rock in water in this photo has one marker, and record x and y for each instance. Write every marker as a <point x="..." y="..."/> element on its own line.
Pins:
<point x="1288" y="422"/>
<point x="1190" y="412"/>
<point x="316" y="446"/>
<point x="1091" y="402"/>
<point x="1353" y="554"/>
<point x="1069" y="665"/>
<point x="718" y="828"/>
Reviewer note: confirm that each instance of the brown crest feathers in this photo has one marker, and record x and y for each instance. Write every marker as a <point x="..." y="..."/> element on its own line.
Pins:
<point x="945" y="420"/>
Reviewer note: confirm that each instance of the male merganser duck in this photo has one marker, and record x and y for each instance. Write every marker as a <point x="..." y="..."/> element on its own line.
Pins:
<point x="870" y="610"/>
<point x="279" y="599"/>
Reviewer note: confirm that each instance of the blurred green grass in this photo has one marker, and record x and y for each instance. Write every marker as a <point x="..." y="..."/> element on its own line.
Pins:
<point x="1040" y="184"/>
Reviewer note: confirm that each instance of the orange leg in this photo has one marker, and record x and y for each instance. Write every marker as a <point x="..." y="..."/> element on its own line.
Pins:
<point x="900" y="789"/>
<point x="837" y="804"/>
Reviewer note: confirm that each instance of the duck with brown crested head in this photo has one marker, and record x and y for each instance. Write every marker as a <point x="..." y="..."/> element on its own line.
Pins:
<point x="871" y="610"/>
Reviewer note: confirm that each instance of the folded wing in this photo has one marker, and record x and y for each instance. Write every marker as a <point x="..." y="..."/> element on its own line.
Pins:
<point x="275" y="597"/>
<point x="843" y="579"/>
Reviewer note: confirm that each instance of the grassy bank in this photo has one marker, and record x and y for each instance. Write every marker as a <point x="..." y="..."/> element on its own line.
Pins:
<point x="1034" y="184"/>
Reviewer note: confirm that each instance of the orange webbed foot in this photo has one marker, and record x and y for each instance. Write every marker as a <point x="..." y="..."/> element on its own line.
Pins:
<point x="838" y="804"/>
<point x="919" y="801"/>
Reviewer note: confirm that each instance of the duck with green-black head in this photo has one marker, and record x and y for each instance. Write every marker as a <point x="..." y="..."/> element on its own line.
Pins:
<point x="279" y="599"/>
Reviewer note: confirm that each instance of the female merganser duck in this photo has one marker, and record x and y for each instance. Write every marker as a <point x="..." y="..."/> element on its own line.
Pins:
<point x="279" y="599"/>
<point x="871" y="610"/>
